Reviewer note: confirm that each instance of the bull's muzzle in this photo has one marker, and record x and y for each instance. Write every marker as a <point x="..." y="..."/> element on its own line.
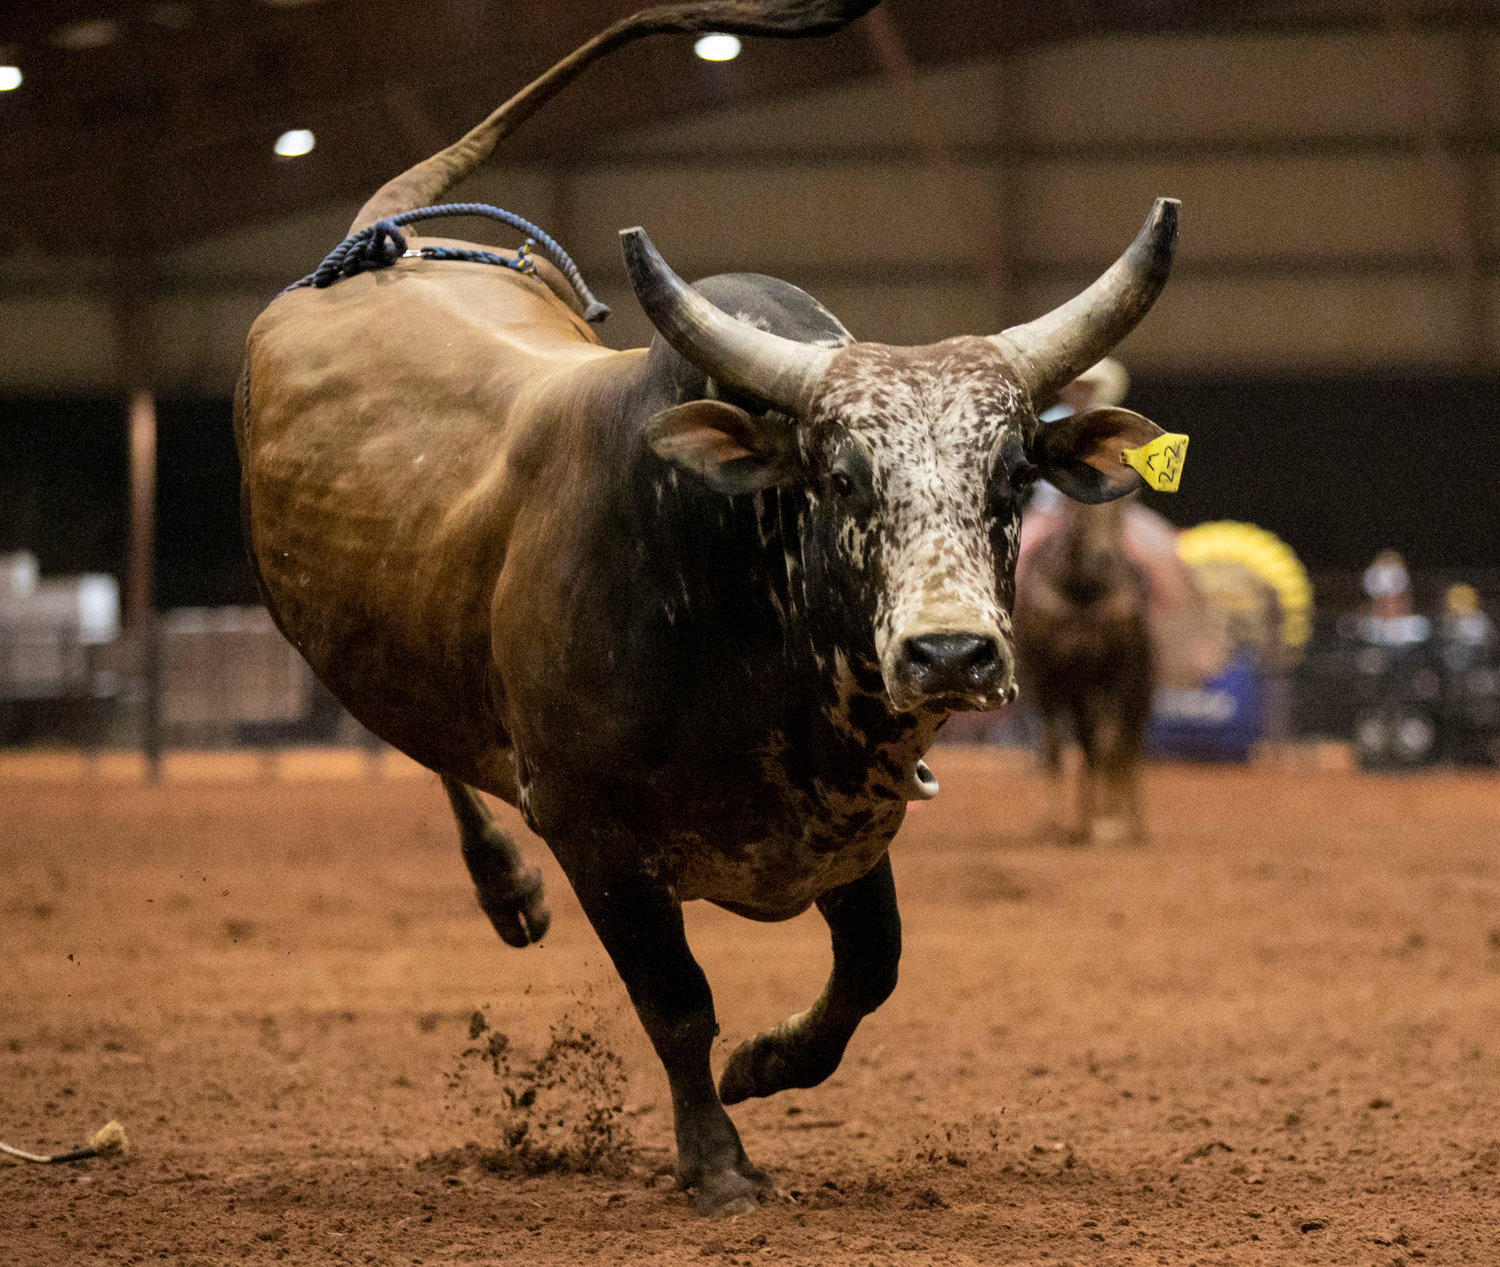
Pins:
<point x="965" y="670"/>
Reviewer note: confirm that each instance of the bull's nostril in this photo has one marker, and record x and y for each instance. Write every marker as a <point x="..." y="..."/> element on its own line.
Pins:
<point x="952" y="661"/>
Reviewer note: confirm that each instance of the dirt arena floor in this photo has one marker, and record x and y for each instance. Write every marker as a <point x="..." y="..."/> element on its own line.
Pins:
<point x="1272" y="1036"/>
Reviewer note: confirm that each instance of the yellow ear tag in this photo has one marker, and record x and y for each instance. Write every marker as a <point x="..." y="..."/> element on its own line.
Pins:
<point x="1160" y="462"/>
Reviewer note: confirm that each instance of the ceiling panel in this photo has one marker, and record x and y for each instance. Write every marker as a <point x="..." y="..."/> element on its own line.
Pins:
<point x="149" y="123"/>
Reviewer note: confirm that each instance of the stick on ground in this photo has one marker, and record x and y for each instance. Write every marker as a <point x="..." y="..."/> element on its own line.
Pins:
<point x="109" y="1138"/>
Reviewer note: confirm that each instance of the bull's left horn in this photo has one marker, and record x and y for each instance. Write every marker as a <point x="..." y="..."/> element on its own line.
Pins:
<point x="782" y="372"/>
<point x="1056" y="348"/>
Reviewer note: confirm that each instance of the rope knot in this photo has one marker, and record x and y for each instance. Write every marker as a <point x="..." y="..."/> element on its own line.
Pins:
<point x="379" y="246"/>
<point x="387" y="244"/>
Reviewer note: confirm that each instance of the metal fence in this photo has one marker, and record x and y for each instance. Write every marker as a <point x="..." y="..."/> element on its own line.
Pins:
<point x="225" y="678"/>
<point x="204" y="678"/>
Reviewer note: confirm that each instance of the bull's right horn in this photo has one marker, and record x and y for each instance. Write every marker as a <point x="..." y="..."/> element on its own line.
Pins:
<point x="1057" y="347"/>
<point x="782" y="372"/>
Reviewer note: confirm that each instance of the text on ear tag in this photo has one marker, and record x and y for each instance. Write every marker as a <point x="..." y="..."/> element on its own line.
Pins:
<point x="1160" y="462"/>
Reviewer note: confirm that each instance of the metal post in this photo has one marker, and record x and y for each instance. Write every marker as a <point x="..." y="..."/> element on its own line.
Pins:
<point x="136" y="363"/>
<point x="140" y="572"/>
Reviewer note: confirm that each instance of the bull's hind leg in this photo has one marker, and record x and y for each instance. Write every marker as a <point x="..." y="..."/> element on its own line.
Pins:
<point x="510" y="892"/>
<point x="804" y="1050"/>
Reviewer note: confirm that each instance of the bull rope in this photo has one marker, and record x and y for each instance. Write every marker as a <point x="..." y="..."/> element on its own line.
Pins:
<point x="382" y="244"/>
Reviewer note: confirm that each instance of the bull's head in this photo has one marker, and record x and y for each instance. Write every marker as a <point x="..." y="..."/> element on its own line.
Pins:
<point x="913" y="459"/>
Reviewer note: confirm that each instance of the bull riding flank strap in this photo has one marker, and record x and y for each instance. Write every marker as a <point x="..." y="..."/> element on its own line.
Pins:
<point x="382" y="244"/>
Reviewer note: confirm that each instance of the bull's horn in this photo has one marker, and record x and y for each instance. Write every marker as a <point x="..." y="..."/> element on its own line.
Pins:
<point x="781" y="372"/>
<point x="1056" y="348"/>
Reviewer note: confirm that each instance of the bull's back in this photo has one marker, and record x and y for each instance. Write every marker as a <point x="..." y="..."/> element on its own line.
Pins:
<point x="385" y="427"/>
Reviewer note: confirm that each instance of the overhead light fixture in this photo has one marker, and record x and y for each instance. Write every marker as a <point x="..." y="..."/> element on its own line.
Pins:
<point x="717" y="47"/>
<point x="10" y="77"/>
<point x="295" y="144"/>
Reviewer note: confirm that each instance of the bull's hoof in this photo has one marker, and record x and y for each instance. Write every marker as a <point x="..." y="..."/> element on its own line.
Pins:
<point x="736" y="1190"/>
<point x="773" y="1062"/>
<point x="519" y="911"/>
<point x="1116" y="830"/>
<point x="751" y="1071"/>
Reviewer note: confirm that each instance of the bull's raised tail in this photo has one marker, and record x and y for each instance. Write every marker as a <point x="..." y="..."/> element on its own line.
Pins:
<point x="424" y="184"/>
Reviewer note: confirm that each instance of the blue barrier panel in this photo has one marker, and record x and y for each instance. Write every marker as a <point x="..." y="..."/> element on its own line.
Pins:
<point x="1217" y="722"/>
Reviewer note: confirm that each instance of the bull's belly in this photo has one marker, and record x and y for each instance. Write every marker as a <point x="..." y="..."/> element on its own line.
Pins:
<point x="780" y="873"/>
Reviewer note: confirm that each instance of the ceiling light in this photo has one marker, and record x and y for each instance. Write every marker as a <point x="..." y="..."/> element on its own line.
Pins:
<point x="10" y="77"/>
<point x="717" y="48"/>
<point x="294" y="144"/>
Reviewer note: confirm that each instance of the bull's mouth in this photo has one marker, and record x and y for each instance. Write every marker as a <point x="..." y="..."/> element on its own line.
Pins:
<point x="944" y="703"/>
<point x="954" y="701"/>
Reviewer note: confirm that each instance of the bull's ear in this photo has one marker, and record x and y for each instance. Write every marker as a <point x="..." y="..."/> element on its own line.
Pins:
<point x="1080" y="453"/>
<point x="735" y="451"/>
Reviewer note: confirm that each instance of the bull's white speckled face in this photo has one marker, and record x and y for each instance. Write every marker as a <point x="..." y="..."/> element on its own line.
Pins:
<point x="917" y="461"/>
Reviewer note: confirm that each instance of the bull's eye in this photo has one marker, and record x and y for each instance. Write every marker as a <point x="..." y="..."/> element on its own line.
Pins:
<point x="847" y="476"/>
<point x="1015" y="470"/>
<point x="1007" y="487"/>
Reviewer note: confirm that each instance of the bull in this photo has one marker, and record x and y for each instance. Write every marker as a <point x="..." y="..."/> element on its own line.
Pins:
<point x="696" y="609"/>
<point x="1083" y="641"/>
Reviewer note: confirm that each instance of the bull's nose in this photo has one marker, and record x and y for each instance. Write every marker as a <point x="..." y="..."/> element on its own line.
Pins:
<point x="953" y="663"/>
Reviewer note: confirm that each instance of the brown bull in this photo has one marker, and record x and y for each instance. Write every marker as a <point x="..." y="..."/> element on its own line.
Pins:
<point x="1083" y="643"/>
<point x="698" y="609"/>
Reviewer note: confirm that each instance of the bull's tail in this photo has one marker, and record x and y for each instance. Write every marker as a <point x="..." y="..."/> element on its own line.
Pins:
<point x="424" y="184"/>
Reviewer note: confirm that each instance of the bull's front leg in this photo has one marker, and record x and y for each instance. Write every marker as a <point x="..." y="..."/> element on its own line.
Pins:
<point x="803" y="1051"/>
<point x="639" y="919"/>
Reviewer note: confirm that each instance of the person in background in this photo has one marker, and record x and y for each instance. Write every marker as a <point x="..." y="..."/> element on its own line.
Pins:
<point x="1392" y="619"/>
<point x="1467" y="632"/>
<point x="1467" y="647"/>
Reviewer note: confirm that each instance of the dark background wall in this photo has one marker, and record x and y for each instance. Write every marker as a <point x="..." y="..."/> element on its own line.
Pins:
<point x="63" y="483"/>
<point x="64" y="494"/>
<point x="1340" y="467"/>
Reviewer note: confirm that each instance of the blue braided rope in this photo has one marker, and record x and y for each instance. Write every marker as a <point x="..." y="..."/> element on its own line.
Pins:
<point x="382" y="244"/>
